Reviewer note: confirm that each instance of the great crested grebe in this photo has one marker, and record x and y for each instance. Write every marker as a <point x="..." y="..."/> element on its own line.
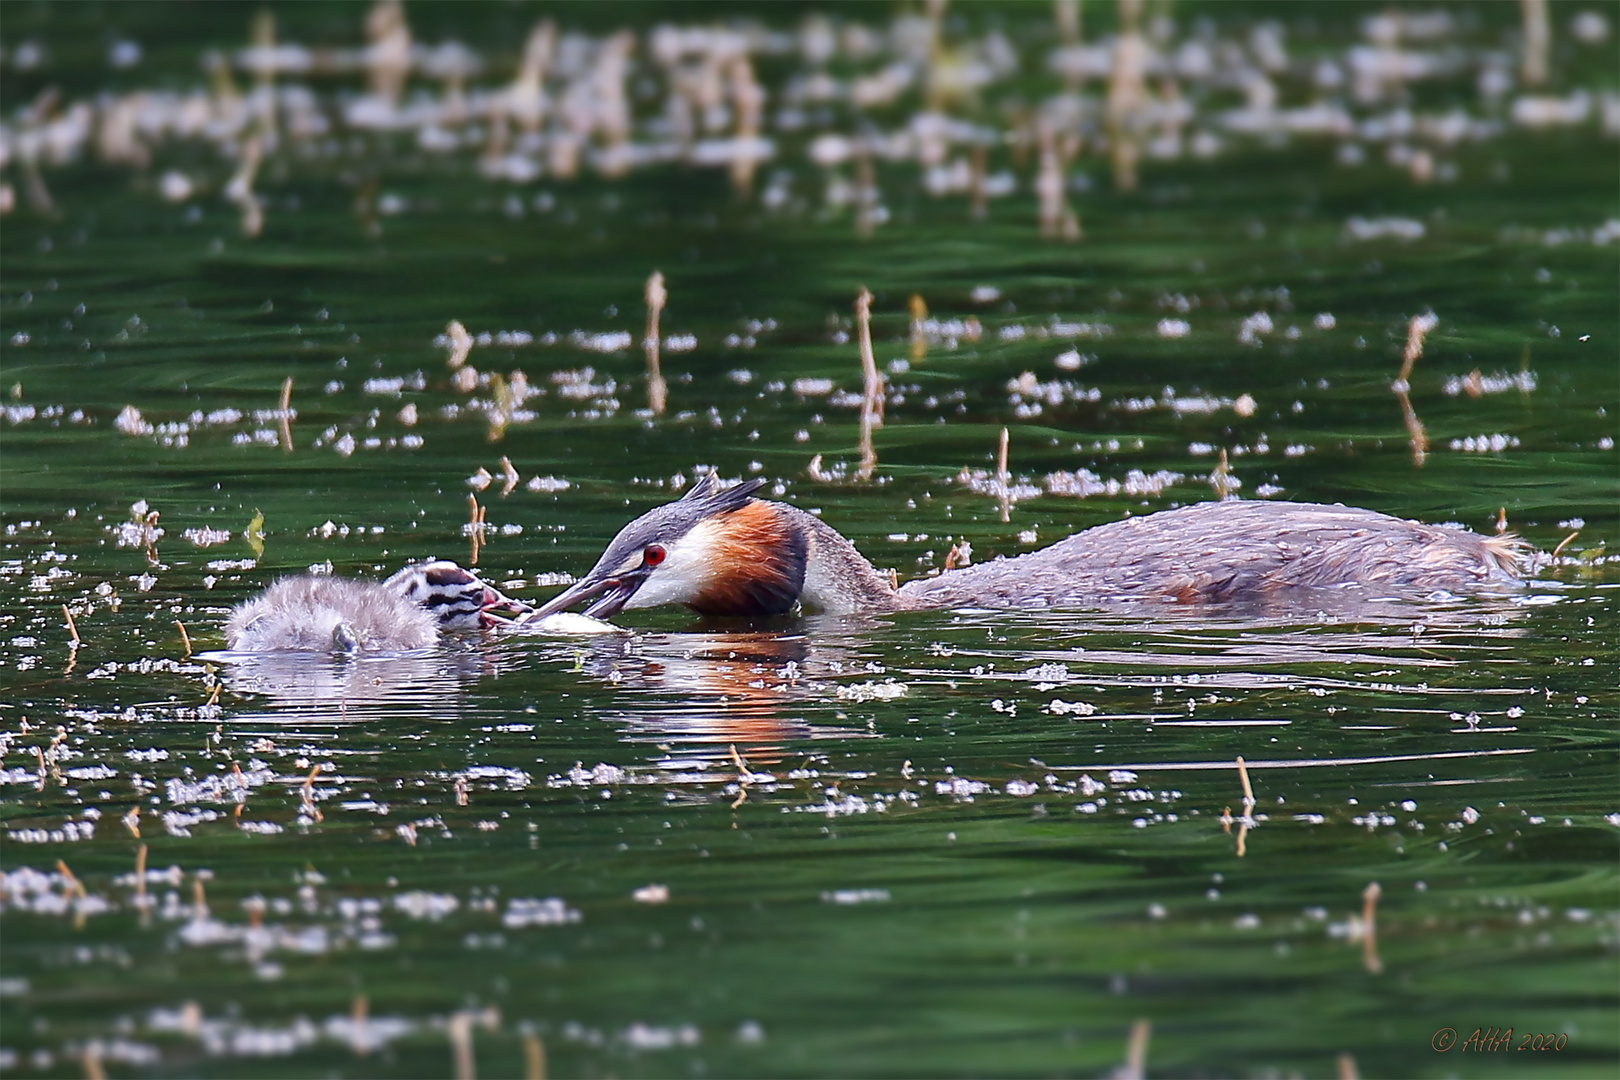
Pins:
<point x="724" y="552"/>
<point x="314" y="613"/>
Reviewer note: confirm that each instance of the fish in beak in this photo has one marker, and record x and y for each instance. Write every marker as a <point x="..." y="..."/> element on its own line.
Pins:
<point x="496" y="602"/>
<point x="610" y="591"/>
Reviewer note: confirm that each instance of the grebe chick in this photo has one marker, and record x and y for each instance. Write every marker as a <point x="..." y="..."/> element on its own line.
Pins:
<point x="313" y="613"/>
<point x="724" y="552"/>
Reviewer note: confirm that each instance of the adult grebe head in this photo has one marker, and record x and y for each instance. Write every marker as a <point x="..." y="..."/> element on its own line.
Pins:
<point x="719" y="551"/>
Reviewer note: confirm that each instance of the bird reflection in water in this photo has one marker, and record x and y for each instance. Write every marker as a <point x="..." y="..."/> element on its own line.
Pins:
<point x="426" y="681"/>
<point x="725" y="682"/>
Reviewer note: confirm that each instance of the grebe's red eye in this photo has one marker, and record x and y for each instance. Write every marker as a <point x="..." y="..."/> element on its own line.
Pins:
<point x="653" y="554"/>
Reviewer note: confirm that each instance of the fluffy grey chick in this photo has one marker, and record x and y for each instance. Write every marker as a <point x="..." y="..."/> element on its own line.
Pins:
<point x="312" y="613"/>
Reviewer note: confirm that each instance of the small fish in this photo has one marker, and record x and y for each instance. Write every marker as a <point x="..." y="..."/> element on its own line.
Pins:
<point x="562" y="624"/>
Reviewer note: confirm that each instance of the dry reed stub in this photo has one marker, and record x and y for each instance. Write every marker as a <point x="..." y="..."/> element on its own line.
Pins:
<point x="1369" y="928"/>
<point x="1003" y="480"/>
<point x="284" y="415"/>
<point x="460" y="343"/>
<point x="534" y="1057"/>
<point x="1248" y="790"/>
<point x="239" y="189"/>
<point x="656" y="296"/>
<point x="872" y="383"/>
<point x="359" y="1014"/>
<point x="919" y="326"/>
<point x="1136" y="1047"/>
<point x="1418" y="327"/>
<point x="461" y="1045"/>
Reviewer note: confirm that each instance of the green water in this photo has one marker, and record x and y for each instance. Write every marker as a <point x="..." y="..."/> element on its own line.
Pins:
<point x="939" y="863"/>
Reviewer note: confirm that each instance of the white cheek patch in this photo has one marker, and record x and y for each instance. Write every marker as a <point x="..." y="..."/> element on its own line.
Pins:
<point x="682" y="574"/>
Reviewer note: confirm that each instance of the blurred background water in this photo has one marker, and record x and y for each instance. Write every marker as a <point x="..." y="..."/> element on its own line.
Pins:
<point x="1145" y="239"/>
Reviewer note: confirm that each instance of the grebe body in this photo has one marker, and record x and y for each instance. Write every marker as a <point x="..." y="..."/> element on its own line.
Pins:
<point x="316" y="613"/>
<point x="724" y="552"/>
<point x="1229" y="551"/>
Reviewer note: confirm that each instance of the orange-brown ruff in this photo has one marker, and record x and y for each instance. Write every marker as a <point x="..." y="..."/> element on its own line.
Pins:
<point x="759" y="564"/>
<point x="722" y="552"/>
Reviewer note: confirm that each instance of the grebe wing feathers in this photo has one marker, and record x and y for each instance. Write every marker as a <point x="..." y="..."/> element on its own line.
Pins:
<point x="1231" y="550"/>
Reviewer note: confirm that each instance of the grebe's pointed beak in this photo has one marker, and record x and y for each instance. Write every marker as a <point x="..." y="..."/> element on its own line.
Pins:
<point x="610" y="592"/>
<point x="496" y="602"/>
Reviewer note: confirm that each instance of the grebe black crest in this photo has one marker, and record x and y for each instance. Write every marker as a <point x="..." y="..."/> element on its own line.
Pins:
<point x="318" y="613"/>
<point x="720" y="551"/>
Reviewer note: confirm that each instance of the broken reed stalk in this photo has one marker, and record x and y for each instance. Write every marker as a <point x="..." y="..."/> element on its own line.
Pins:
<point x="978" y="194"/>
<point x="1369" y="928"/>
<point x="74" y="887"/>
<point x="1127" y="103"/>
<point x="749" y="102"/>
<point x="73" y="631"/>
<point x="461" y="344"/>
<point x="657" y="388"/>
<point x="185" y="638"/>
<point x="1417" y="437"/>
<point x="1003" y="480"/>
<point x="865" y="190"/>
<point x="461" y="1045"/>
<point x="239" y="189"/>
<point x="744" y="776"/>
<point x="509" y="476"/>
<point x="919" y="326"/>
<point x="1248" y="791"/>
<point x="1564" y="543"/>
<point x="140" y="873"/>
<point x="358" y="1013"/>
<point x="91" y="1059"/>
<point x="534" y="1057"/>
<point x="1417" y="328"/>
<point x="149" y="538"/>
<point x="1136" y="1050"/>
<point x="1220" y="477"/>
<point x="1345" y="1067"/>
<point x="1067" y="15"/>
<point x="1536" y="39"/>
<point x="872" y="395"/>
<point x="475" y="528"/>
<point x="284" y="414"/>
